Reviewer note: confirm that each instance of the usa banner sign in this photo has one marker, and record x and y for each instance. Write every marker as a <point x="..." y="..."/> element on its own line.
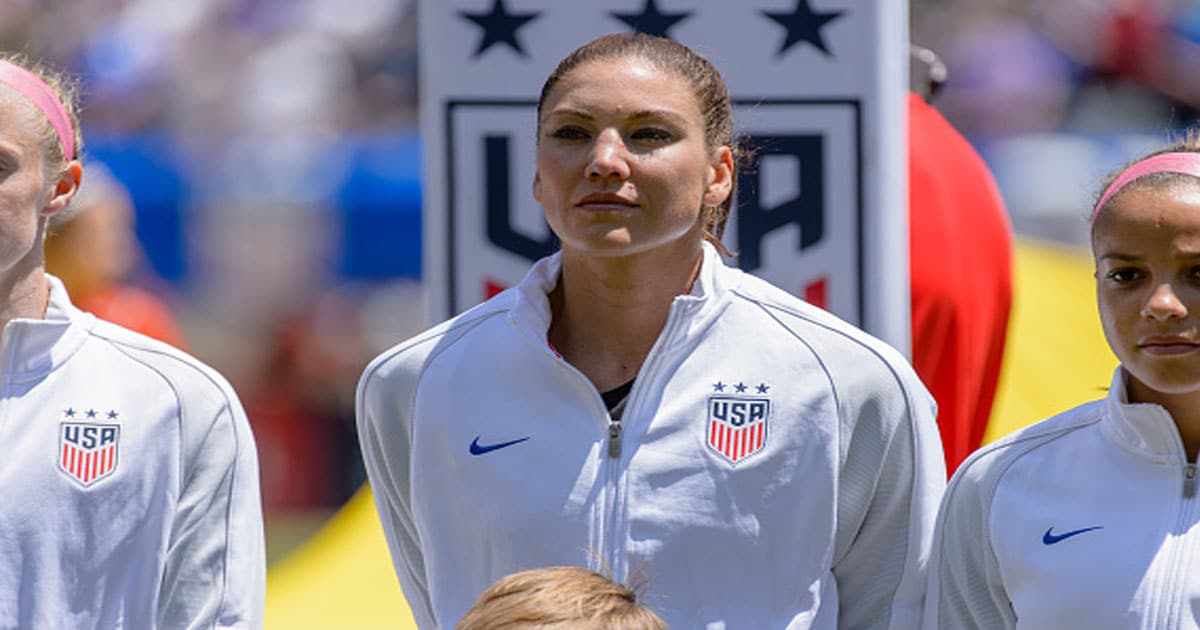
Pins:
<point x="818" y="89"/>
<point x="88" y="452"/>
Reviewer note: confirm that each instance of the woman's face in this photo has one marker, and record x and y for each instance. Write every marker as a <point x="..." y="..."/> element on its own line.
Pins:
<point x="622" y="164"/>
<point x="24" y="193"/>
<point x="1147" y="250"/>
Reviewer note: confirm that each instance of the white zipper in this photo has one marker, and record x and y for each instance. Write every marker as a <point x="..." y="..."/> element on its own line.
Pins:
<point x="614" y="439"/>
<point x="608" y="442"/>
<point x="1189" y="480"/>
<point x="646" y="378"/>
<point x="1168" y="603"/>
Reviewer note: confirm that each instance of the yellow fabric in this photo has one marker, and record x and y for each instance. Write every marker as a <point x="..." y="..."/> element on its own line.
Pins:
<point x="341" y="578"/>
<point x="1056" y="357"/>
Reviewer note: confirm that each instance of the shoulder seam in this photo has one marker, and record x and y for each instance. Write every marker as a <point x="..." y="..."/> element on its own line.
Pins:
<point x="1043" y="438"/>
<point x="128" y="349"/>
<point x="427" y="336"/>
<point x="1050" y="435"/>
<point x="767" y="306"/>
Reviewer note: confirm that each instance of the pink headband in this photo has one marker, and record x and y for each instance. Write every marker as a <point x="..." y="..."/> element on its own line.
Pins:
<point x="36" y="90"/>
<point x="1182" y="163"/>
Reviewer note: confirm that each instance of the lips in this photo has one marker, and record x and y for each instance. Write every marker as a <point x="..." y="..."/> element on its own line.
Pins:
<point x="1168" y="345"/>
<point x="605" y="201"/>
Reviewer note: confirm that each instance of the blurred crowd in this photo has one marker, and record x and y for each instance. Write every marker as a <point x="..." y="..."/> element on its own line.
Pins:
<point x="1055" y="93"/>
<point x="228" y="146"/>
<point x="268" y="153"/>
<point x="208" y="69"/>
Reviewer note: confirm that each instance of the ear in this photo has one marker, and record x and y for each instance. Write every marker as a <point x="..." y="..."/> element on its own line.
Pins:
<point x="720" y="181"/>
<point x="64" y="189"/>
<point x="537" y="187"/>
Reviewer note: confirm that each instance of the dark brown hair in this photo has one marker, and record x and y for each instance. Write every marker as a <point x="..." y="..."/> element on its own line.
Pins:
<point x="708" y="87"/>
<point x="559" y="595"/>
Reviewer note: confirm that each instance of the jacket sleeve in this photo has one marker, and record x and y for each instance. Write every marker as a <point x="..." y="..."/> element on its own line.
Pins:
<point x="215" y="569"/>
<point x="892" y="478"/>
<point x="965" y="587"/>
<point x="384" y="413"/>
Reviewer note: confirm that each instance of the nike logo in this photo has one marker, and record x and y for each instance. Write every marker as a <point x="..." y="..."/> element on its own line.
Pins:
<point x="480" y="449"/>
<point x="1049" y="538"/>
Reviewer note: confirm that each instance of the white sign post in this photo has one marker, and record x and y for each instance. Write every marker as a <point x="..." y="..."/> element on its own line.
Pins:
<point x="818" y="89"/>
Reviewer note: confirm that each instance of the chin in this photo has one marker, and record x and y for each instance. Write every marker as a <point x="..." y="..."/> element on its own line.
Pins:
<point x="1176" y="388"/>
<point x="613" y="243"/>
<point x="1168" y="380"/>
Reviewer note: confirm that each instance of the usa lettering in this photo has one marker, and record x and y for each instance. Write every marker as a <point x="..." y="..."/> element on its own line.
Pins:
<point x="738" y="413"/>
<point x="500" y="229"/>
<point x="806" y="210"/>
<point x="89" y="437"/>
<point x="737" y="427"/>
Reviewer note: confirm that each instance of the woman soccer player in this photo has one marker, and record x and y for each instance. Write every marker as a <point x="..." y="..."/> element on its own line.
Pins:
<point x="1089" y="519"/>
<point x="128" y="475"/>
<point x="636" y="405"/>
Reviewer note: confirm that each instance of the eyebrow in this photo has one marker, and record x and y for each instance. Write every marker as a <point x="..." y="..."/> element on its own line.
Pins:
<point x="10" y="152"/>
<point x="1132" y="258"/>
<point x="666" y="114"/>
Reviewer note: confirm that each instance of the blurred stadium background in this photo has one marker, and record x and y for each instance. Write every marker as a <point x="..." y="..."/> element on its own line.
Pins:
<point x="272" y="153"/>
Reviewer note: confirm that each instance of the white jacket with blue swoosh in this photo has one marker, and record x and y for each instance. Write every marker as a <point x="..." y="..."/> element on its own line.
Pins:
<point x="1089" y="519"/>
<point x="774" y="466"/>
<point x="129" y="492"/>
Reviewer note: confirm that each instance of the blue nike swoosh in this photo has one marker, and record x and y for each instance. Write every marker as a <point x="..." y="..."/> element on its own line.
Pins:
<point x="1050" y="539"/>
<point x="476" y="449"/>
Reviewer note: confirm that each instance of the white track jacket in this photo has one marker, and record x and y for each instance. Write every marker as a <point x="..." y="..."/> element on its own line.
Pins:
<point x="128" y="483"/>
<point x="774" y="466"/>
<point x="1086" y="520"/>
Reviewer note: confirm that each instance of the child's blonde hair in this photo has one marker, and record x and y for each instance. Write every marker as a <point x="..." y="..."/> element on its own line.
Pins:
<point x="568" y="597"/>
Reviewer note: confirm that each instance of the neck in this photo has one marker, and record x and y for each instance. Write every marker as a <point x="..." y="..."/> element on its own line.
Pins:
<point x="1184" y="409"/>
<point x="608" y="312"/>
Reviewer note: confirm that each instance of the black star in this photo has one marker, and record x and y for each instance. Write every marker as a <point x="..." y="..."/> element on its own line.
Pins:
<point x="804" y="25"/>
<point x="112" y="415"/>
<point x="499" y="27"/>
<point x="651" y="21"/>
<point x="70" y="413"/>
<point x="762" y="388"/>
<point x="91" y="413"/>
<point x="718" y="386"/>
<point x="740" y="387"/>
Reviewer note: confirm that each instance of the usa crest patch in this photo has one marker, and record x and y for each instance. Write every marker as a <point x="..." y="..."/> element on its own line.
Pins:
<point x="88" y="452"/>
<point x="737" y="425"/>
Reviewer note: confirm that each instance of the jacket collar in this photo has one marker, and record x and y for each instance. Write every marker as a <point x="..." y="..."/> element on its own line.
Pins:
<point x="530" y="312"/>
<point x="1147" y="429"/>
<point x="32" y="347"/>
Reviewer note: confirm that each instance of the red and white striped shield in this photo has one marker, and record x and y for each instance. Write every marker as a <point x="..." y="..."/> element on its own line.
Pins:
<point x="88" y="452"/>
<point x="737" y="427"/>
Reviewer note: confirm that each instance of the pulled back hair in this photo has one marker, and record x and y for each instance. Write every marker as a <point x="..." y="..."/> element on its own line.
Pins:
<point x="708" y="87"/>
<point x="559" y="595"/>
<point x="1189" y="143"/>
<point x="67" y="90"/>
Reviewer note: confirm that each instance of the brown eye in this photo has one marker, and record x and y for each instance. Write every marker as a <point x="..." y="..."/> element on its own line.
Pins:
<point x="569" y="132"/>
<point x="1123" y="275"/>
<point x="652" y="134"/>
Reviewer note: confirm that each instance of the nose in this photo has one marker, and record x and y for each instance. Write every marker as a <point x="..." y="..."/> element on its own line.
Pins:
<point x="1163" y="304"/>
<point x="608" y="158"/>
